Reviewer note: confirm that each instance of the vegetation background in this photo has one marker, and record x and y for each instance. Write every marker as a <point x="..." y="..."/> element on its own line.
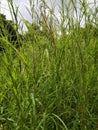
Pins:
<point x="49" y="74"/>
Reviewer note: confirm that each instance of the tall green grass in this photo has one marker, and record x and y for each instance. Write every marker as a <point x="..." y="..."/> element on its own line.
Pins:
<point x="56" y="86"/>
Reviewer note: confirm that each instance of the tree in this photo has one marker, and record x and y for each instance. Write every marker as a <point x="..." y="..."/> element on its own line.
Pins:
<point x="8" y="32"/>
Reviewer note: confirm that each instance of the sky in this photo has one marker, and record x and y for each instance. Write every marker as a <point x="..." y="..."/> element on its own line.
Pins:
<point x="23" y="4"/>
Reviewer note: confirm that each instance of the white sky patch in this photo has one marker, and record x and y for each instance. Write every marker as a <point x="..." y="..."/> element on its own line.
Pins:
<point x="23" y="4"/>
<point x="4" y="9"/>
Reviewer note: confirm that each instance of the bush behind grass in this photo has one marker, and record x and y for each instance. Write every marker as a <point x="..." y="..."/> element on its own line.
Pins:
<point x="50" y="83"/>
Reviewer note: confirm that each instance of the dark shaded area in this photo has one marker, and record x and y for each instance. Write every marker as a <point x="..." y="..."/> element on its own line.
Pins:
<point x="8" y="32"/>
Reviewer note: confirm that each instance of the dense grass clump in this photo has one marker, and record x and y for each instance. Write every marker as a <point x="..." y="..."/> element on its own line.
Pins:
<point x="51" y="81"/>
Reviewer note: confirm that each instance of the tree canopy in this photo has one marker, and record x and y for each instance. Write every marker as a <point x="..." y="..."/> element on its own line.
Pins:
<point x="8" y="32"/>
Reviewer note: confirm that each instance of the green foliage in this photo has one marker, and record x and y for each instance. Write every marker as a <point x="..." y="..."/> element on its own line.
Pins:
<point x="51" y="82"/>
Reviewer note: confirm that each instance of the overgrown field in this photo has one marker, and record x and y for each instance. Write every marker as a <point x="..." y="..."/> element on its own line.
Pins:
<point x="50" y="82"/>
